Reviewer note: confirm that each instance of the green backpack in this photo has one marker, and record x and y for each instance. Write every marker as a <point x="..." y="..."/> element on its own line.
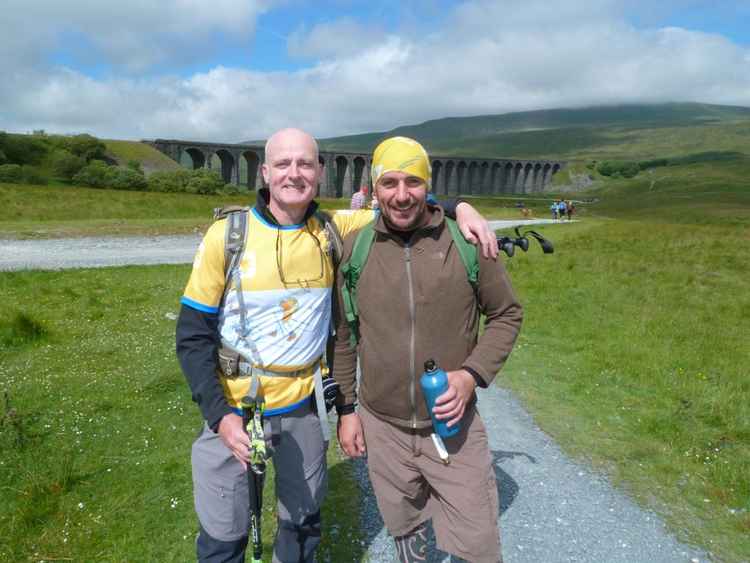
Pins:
<point x="352" y="270"/>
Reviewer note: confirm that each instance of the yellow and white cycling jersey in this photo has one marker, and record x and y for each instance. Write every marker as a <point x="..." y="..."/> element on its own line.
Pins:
<point x="287" y="276"/>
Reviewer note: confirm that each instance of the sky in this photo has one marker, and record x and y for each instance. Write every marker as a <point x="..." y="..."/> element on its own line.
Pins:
<point x="237" y="70"/>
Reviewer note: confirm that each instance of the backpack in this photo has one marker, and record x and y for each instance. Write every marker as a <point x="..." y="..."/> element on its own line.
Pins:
<point x="352" y="270"/>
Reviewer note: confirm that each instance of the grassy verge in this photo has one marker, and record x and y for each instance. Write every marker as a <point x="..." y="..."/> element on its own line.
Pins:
<point x="68" y="211"/>
<point x="63" y="211"/>
<point x="634" y="356"/>
<point x="96" y="424"/>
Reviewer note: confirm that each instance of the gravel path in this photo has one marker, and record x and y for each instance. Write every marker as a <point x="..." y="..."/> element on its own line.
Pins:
<point x="552" y="509"/>
<point x="55" y="254"/>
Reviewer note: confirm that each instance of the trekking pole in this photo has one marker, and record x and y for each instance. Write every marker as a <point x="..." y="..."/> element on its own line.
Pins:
<point x="256" y="473"/>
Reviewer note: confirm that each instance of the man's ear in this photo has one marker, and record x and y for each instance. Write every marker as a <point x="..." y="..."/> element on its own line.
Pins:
<point x="264" y="171"/>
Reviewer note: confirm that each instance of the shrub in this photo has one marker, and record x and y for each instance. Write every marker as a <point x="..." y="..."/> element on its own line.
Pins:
<point x="3" y="158"/>
<point x="127" y="179"/>
<point x="23" y="149"/>
<point x="135" y="165"/>
<point x="169" y="181"/>
<point x="87" y="147"/>
<point x="230" y="189"/>
<point x="10" y="173"/>
<point x="96" y="174"/>
<point x="204" y="182"/>
<point x="30" y="175"/>
<point x="66" y="165"/>
<point x="618" y="168"/>
<point x="199" y="181"/>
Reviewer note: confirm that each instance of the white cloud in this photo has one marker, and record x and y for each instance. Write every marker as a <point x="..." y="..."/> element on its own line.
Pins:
<point x="133" y="35"/>
<point x="342" y="37"/>
<point x="491" y="57"/>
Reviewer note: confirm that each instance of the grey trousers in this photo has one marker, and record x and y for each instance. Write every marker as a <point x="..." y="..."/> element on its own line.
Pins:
<point x="221" y="490"/>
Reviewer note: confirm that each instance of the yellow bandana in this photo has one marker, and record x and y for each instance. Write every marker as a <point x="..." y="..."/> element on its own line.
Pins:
<point x="401" y="154"/>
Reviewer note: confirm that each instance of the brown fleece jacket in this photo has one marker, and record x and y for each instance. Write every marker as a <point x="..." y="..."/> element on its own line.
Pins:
<point x="416" y="303"/>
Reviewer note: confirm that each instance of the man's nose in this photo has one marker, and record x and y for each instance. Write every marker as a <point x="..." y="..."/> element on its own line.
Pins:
<point x="293" y="170"/>
<point x="402" y="192"/>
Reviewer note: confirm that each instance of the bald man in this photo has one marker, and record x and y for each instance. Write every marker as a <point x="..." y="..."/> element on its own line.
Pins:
<point x="275" y="317"/>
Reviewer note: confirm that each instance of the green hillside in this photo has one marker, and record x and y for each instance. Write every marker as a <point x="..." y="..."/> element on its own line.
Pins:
<point x="648" y="130"/>
<point x="151" y="159"/>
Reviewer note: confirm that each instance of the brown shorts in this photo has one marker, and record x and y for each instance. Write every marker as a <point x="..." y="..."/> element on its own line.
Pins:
<point x="412" y="485"/>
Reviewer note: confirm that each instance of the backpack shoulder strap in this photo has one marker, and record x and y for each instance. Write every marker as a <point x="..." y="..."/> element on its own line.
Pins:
<point x="467" y="252"/>
<point x="335" y="242"/>
<point x="351" y="271"/>
<point x="235" y="234"/>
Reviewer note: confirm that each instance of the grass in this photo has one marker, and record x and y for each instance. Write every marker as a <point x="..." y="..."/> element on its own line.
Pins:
<point x="96" y="424"/>
<point x="69" y="211"/>
<point x="634" y="353"/>
<point x="62" y="211"/>
<point x="633" y="356"/>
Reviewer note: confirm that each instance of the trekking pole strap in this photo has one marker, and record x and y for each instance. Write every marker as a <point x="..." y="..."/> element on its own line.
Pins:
<point x="320" y="404"/>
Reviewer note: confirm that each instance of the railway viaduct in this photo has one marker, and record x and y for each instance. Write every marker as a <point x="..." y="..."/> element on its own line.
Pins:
<point x="344" y="172"/>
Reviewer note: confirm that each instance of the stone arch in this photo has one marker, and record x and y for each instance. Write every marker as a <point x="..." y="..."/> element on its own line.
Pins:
<point x="528" y="184"/>
<point x="193" y="158"/>
<point x="250" y="173"/>
<point x="437" y="177"/>
<point x="225" y="165"/>
<point x="538" y="177"/>
<point x="485" y="187"/>
<point x="341" y="171"/>
<point x="518" y="178"/>
<point x="546" y="176"/>
<point x="473" y="174"/>
<point x="461" y="177"/>
<point x="508" y="178"/>
<point x="496" y="178"/>
<point x="359" y="176"/>
<point x="450" y="178"/>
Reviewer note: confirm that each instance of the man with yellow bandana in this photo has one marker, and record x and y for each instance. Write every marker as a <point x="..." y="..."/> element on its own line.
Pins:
<point x="286" y="278"/>
<point x="415" y="303"/>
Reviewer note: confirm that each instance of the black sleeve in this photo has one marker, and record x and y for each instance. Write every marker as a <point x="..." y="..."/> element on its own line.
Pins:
<point x="197" y="339"/>
<point x="449" y="206"/>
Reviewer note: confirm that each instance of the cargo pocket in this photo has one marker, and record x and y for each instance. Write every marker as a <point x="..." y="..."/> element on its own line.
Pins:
<point x="214" y="505"/>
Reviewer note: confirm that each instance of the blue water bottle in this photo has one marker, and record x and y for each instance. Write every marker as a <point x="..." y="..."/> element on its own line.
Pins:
<point x="434" y="382"/>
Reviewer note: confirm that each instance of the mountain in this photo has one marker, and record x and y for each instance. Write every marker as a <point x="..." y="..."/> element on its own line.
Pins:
<point x="570" y="133"/>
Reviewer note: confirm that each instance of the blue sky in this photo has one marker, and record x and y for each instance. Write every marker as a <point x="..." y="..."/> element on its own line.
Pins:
<point x="230" y="70"/>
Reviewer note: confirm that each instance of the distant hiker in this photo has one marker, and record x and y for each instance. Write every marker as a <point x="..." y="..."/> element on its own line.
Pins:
<point x="359" y="198"/>
<point x="254" y="324"/>
<point x="553" y="209"/>
<point x="562" y="209"/>
<point x="415" y="300"/>
<point x="570" y="209"/>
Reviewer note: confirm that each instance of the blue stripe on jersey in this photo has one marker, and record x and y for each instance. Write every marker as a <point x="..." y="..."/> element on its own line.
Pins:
<point x="280" y="410"/>
<point x="198" y="306"/>
<point x="280" y="227"/>
<point x="288" y="408"/>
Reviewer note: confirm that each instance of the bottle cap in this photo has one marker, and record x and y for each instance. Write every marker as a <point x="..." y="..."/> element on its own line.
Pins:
<point x="430" y="365"/>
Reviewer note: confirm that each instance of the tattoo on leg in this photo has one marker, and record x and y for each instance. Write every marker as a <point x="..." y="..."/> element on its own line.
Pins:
<point x="412" y="547"/>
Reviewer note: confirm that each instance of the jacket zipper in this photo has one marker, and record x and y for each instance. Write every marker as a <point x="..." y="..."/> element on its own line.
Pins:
<point x="412" y="344"/>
